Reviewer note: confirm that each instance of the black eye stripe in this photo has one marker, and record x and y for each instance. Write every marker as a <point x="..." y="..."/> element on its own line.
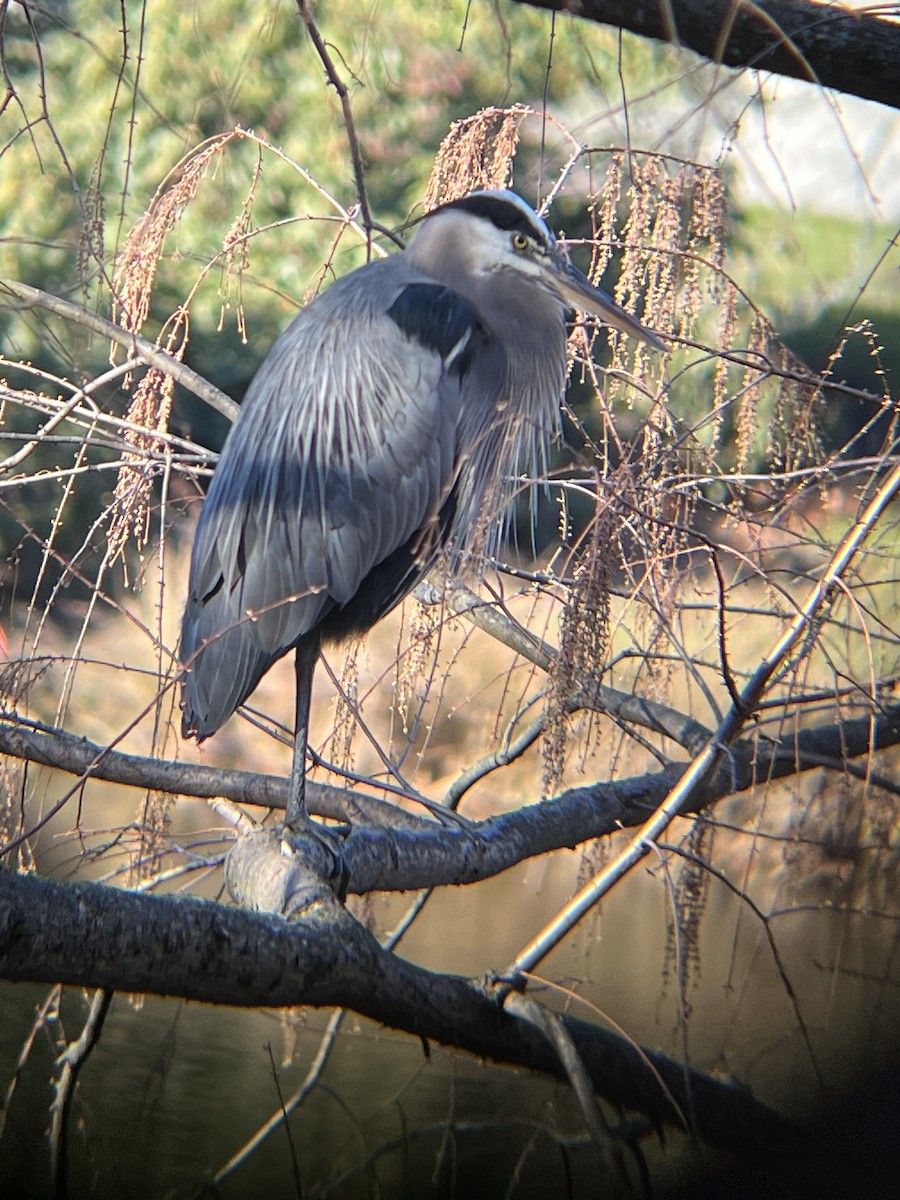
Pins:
<point x="505" y="215"/>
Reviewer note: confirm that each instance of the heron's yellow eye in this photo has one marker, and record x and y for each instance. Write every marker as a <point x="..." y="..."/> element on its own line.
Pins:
<point x="520" y="241"/>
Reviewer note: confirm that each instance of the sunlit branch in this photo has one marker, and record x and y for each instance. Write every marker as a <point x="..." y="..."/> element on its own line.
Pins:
<point x="721" y="746"/>
<point x="390" y="849"/>
<point x="625" y="707"/>
<point x="21" y="295"/>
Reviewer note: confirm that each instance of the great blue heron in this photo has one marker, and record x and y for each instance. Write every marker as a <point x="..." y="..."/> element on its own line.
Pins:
<point x="384" y="416"/>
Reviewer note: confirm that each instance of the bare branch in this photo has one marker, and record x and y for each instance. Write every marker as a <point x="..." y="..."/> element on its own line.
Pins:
<point x="493" y="620"/>
<point x="407" y="852"/>
<point x="343" y="94"/>
<point x="77" y="756"/>
<point x="22" y="296"/>
<point x="854" y="52"/>
<point x="73" y="1059"/>
<point x="708" y="764"/>
<point x="203" y="951"/>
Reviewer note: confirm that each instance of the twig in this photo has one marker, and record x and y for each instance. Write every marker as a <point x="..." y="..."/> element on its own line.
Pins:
<point x="66" y="410"/>
<point x="341" y="88"/>
<point x="288" y="1106"/>
<point x="508" y="753"/>
<point x="72" y="1060"/>
<point x="42" y="1017"/>
<point x="553" y="1028"/>
<point x="295" y="1162"/>
<point x="493" y="620"/>
<point x="705" y="766"/>
<point x="757" y="912"/>
<point x="53" y="747"/>
<point x="139" y="347"/>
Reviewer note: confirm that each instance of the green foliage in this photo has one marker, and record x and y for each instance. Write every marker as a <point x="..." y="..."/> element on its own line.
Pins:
<point x="105" y="117"/>
<point x="837" y="253"/>
<point x="110" y="116"/>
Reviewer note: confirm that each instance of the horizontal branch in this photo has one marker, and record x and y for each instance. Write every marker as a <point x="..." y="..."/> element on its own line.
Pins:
<point x="854" y="52"/>
<point x="458" y="856"/>
<point x="391" y="851"/>
<point x="49" y="747"/>
<point x="94" y="936"/>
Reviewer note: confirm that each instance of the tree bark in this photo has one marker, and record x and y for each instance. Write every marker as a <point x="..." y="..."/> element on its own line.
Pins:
<point x="854" y="52"/>
<point x="91" y="935"/>
<point x="317" y="954"/>
<point x="389" y="850"/>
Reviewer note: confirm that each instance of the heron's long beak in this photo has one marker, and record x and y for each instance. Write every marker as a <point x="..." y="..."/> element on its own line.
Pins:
<point x="576" y="289"/>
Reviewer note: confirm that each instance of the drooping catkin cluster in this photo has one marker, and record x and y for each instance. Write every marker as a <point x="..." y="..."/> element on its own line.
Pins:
<point x="90" y="250"/>
<point x="583" y="638"/>
<point x="137" y="265"/>
<point x="665" y="220"/>
<point x="478" y="152"/>
<point x="728" y="307"/>
<point x="236" y="254"/>
<point x="778" y="410"/>
<point x="148" y="416"/>
<point x="690" y="893"/>
<point x="417" y="665"/>
<point x="134" y="280"/>
<point x="346" y="711"/>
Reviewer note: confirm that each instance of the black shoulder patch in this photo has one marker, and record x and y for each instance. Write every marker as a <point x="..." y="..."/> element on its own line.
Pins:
<point x="437" y="318"/>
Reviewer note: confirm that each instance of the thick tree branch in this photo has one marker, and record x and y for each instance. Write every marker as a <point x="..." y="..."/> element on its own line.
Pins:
<point x="853" y="52"/>
<point x="580" y="814"/>
<point x="94" y="936"/>
<point x="408" y="852"/>
<point x="63" y="751"/>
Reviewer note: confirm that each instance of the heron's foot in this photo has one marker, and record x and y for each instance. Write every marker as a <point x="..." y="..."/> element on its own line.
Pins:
<point x="323" y="848"/>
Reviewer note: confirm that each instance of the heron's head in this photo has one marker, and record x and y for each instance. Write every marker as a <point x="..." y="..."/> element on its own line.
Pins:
<point x="490" y="235"/>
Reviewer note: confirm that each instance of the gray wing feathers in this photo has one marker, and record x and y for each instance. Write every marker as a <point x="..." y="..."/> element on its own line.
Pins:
<point x="344" y="449"/>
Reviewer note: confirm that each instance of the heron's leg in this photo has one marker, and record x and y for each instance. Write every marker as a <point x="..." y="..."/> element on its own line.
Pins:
<point x="307" y="652"/>
<point x="296" y="817"/>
